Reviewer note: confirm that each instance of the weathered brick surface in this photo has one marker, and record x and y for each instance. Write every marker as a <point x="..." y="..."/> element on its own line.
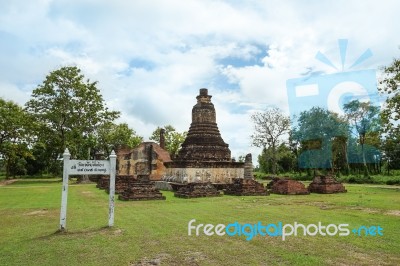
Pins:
<point x="197" y="190"/>
<point x="326" y="185"/>
<point x="246" y="187"/>
<point x="287" y="187"/>
<point x="121" y="183"/>
<point x="204" y="141"/>
<point x="136" y="161"/>
<point x="204" y="156"/>
<point x="141" y="189"/>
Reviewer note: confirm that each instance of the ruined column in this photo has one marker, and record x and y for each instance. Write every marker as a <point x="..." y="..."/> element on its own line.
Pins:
<point x="248" y="167"/>
<point x="162" y="138"/>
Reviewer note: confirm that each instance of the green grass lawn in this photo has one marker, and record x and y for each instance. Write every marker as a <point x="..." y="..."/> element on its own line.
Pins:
<point x="157" y="231"/>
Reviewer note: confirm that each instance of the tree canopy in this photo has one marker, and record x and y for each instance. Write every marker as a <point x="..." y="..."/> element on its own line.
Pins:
<point x="173" y="139"/>
<point x="114" y="136"/>
<point x="15" y="127"/>
<point x="69" y="110"/>
<point x="269" y="127"/>
<point x="390" y="85"/>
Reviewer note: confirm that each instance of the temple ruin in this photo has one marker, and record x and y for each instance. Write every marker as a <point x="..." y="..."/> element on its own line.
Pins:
<point x="287" y="186"/>
<point x="204" y="156"/>
<point x="141" y="187"/>
<point x="326" y="185"/>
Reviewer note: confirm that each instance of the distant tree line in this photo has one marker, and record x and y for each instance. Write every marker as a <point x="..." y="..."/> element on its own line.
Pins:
<point x="365" y="140"/>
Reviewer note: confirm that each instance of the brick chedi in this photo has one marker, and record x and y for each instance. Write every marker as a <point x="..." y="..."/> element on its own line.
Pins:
<point x="246" y="187"/>
<point x="287" y="186"/>
<point x="204" y="141"/>
<point x="325" y="185"/>
<point x="204" y="156"/>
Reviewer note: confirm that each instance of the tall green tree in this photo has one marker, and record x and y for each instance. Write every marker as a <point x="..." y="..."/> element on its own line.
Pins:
<point x="365" y="119"/>
<point x="317" y="130"/>
<point x="15" y="125"/>
<point x="69" y="111"/>
<point x="390" y="86"/>
<point x="285" y="159"/>
<point x="391" y="149"/>
<point x="173" y="139"/>
<point x="269" y="128"/>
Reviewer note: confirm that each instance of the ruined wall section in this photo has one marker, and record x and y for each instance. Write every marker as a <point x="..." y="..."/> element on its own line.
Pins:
<point x="204" y="174"/>
<point x="133" y="162"/>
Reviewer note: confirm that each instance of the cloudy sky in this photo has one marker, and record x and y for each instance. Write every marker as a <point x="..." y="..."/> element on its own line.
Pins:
<point x="152" y="57"/>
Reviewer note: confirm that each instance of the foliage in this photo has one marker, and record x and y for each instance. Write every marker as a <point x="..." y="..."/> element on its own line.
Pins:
<point x="364" y="118"/>
<point x="15" y="125"/>
<point x="113" y="136"/>
<point x="269" y="127"/>
<point x="69" y="110"/>
<point x="389" y="85"/>
<point x="286" y="160"/>
<point x="173" y="139"/>
<point x="317" y="132"/>
<point x="391" y="150"/>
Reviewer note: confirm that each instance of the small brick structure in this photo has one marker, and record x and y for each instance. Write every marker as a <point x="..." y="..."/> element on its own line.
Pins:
<point x="287" y="186"/>
<point x="245" y="187"/>
<point x="197" y="190"/>
<point x="326" y="185"/>
<point x="141" y="189"/>
<point x="121" y="183"/>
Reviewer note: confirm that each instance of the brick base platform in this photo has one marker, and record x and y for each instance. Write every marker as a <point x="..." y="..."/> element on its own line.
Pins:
<point x="326" y="185"/>
<point x="141" y="189"/>
<point x="197" y="190"/>
<point x="246" y="187"/>
<point x="287" y="187"/>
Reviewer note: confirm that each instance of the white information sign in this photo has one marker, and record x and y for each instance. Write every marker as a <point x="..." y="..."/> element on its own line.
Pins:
<point x="78" y="167"/>
<point x="88" y="167"/>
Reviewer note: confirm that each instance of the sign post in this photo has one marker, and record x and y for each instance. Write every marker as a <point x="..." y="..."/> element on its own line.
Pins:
<point x="113" y="159"/>
<point x="87" y="167"/>
<point x="64" y="193"/>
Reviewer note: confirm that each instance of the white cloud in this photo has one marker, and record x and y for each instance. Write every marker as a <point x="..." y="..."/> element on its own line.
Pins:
<point x="151" y="57"/>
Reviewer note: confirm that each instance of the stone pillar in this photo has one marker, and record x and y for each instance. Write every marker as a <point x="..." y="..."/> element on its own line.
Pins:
<point x="248" y="167"/>
<point x="162" y="138"/>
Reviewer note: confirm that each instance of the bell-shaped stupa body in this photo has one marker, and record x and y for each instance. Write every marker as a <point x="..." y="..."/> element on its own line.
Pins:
<point x="204" y="141"/>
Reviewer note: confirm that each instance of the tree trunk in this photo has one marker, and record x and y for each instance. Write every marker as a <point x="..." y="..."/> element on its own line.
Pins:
<point x="346" y="156"/>
<point x="273" y="159"/>
<point x="362" y="141"/>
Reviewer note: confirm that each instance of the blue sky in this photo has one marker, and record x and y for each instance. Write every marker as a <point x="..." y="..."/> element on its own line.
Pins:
<point x="152" y="57"/>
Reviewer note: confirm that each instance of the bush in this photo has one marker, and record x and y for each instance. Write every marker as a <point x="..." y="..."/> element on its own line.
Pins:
<point x="393" y="182"/>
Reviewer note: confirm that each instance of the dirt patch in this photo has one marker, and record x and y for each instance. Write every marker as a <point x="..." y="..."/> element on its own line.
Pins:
<point x="393" y="212"/>
<point x="368" y="210"/>
<point x="38" y="213"/>
<point x="166" y="258"/>
<point x="7" y="182"/>
<point x="190" y="258"/>
<point x="194" y="257"/>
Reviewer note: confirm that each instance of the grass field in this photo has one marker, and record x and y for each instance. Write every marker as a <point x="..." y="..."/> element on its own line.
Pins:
<point x="155" y="232"/>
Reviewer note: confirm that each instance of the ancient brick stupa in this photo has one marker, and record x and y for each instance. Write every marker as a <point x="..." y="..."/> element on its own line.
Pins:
<point x="326" y="185"/>
<point x="204" y="156"/>
<point x="287" y="186"/>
